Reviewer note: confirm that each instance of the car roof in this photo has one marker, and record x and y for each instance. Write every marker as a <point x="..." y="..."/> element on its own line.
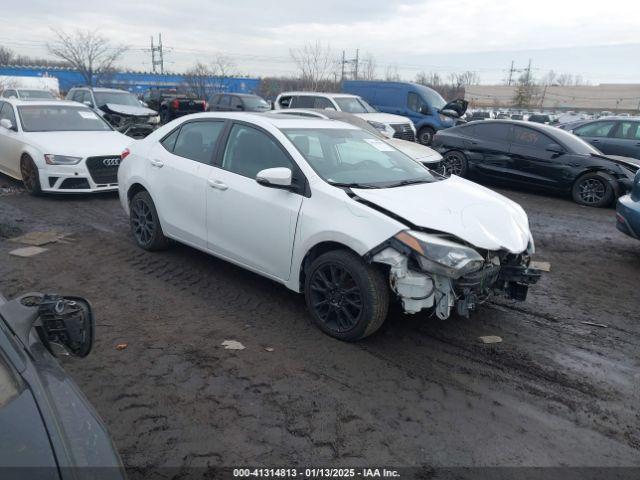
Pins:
<point x="277" y="120"/>
<point x="43" y="103"/>
<point x="319" y="94"/>
<point x="101" y="89"/>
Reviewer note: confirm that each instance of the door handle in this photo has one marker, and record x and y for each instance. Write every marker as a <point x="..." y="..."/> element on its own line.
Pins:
<point x="595" y="141"/>
<point x="217" y="184"/>
<point x="156" y="163"/>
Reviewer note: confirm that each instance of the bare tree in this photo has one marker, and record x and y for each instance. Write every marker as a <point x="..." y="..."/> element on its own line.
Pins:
<point x="368" y="69"/>
<point x="391" y="73"/>
<point x="526" y="91"/>
<point x="199" y="80"/>
<point x="431" y="79"/>
<point x="222" y="68"/>
<point x="315" y="63"/>
<point x="87" y="51"/>
<point x="6" y="56"/>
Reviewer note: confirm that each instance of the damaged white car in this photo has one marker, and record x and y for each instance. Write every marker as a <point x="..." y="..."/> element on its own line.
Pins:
<point x="329" y="210"/>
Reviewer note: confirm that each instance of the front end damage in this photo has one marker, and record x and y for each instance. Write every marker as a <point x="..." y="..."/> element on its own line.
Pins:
<point x="436" y="272"/>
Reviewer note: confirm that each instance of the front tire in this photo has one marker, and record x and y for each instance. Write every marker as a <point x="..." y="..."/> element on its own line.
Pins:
<point x="145" y="223"/>
<point x="30" y="176"/>
<point x="425" y="135"/>
<point x="593" y="190"/>
<point x="347" y="298"/>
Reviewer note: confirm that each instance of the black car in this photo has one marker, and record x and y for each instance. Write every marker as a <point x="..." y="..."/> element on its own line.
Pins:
<point x="172" y="103"/>
<point x="48" y="429"/>
<point x="535" y="155"/>
<point x="538" y="118"/>
<point x="237" y="102"/>
<point x="613" y="136"/>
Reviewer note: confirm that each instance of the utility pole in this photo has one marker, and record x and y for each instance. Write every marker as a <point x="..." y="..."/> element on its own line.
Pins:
<point x="511" y="70"/>
<point x="157" y="55"/>
<point x="355" y="64"/>
<point x="355" y="70"/>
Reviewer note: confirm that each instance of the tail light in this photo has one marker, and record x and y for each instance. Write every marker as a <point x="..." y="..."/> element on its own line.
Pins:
<point x="125" y="153"/>
<point x="175" y="104"/>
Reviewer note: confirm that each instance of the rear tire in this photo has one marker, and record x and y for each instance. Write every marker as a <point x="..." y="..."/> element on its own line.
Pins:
<point x="30" y="176"/>
<point x="455" y="163"/>
<point x="425" y="135"/>
<point x="145" y="223"/>
<point x="593" y="190"/>
<point x="347" y="298"/>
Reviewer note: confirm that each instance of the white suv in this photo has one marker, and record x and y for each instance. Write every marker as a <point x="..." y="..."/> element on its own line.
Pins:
<point x="391" y="126"/>
<point x="326" y="209"/>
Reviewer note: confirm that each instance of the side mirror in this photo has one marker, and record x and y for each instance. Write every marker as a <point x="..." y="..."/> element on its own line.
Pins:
<point x="279" y="177"/>
<point x="88" y="103"/>
<point x="68" y="322"/>
<point x="555" y="148"/>
<point x="144" y="104"/>
<point x="6" y="123"/>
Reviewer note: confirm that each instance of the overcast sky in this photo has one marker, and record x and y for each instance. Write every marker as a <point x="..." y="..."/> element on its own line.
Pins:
<point x="597" y="39"/>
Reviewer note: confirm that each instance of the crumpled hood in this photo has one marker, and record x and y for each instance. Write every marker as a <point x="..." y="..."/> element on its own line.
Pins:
<point x="383" y="118"/>
<point x="128" y="110"/>
<point x="624" y="160"/>
<point x="80" y="144"/>
<point x="415" y="150"/>
<point x="459" y="207"/>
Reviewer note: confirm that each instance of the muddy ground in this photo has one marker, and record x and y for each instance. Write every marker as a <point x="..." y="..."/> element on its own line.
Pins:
<point x="420" y="392"/>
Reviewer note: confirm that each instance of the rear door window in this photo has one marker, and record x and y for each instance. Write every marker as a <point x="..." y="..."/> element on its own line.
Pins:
<point x="596" y="129"/>
<point x="628" y="131"/>
<point x="497" y="132"/>
<point x="236" y="103"/>
<point x="225" y="101"/>
<point x="198" y="140"/>
<point x="530" y="138"/>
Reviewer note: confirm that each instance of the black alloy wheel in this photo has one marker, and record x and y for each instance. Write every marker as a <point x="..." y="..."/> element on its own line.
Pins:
<point x="347" y="297"/>
<point x="335" y="297"/>
<point x="425" y="135"/>
<point x="145" y="224"/>
<point x="454" y="163"/>
<point x="593" y="190"/>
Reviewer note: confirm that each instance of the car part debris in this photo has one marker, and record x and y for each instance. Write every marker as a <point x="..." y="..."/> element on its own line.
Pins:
<point x="593" y="324"/>
<point x="542" y="266"/>
<point x="232" y="345"/>
<point x="27" y="251"/>
<point x="489" y="339"/>
<point x="121" y="346"/>
<point x="37" y="239"/>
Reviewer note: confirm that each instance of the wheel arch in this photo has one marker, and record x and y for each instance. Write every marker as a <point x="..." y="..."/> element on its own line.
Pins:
<point x="314" y="252"/>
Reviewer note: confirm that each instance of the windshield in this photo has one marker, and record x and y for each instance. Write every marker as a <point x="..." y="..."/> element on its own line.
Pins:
<point x="256" y="103"/>
<point x="117" y="98"/>
<point x="60" y="118"/>
<point x="574" y="143"/>
<point x="354" y="105"/>
<point x="33" y="94"/>
<point x="356" y="158"/>
<point x="432" y="97"/>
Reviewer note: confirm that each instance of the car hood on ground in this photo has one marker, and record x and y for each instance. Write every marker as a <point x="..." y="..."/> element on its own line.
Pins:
<point x="458" y="207"/>
<point x="415" y="150"/>
<point x="383" y="118"/>
<point x="128" y="110"/>
<point x="80" y="144"/>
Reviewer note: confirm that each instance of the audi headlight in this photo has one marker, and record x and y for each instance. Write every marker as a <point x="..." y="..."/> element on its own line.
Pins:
<point x="383" y="128"/>
<point x="61" y="159"/>
<point x="440" y="256"/>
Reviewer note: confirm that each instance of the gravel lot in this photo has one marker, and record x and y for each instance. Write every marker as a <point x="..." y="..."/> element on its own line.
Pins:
<point x="421" y="392"/>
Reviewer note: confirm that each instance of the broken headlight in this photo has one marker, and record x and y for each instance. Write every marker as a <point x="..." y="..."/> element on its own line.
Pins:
<point x="440" y="256"/>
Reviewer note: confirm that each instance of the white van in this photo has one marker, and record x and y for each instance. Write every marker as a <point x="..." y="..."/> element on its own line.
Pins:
<point x="392" y="126"/>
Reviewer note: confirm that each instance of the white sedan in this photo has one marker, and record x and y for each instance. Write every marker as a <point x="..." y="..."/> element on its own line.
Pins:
<point x="327" y="209"/>
<point x="58" y="147"/>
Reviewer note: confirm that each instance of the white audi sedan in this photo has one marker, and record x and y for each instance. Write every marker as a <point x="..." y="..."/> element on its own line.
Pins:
<point x="327" y="209"/>
<point x="58" y="147"/>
